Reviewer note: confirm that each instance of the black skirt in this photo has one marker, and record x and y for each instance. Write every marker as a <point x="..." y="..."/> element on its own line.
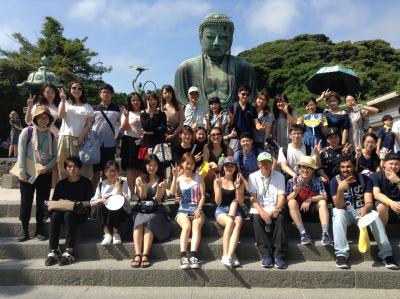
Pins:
<point x="129" y="153"/>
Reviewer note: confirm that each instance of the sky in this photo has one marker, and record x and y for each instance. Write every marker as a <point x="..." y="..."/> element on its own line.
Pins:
<point x="161" y="34"/>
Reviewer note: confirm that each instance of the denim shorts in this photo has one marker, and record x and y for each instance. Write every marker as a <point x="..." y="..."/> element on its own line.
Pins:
<point x="188" y="210"/>
<point x="225" y="210"/>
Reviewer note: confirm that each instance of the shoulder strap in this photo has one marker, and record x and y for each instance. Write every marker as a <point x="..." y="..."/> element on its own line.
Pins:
<point x="284" y="151"/>
<point x="30" y="131"/>
<point x="241" y="164"/>
<point x="361" y="179"/>
<point x="107" y="120"/>
<point x="308" y="150"/>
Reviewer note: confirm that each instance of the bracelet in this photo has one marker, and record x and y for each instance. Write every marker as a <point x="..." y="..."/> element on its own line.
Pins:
<point x="387" y="201"/>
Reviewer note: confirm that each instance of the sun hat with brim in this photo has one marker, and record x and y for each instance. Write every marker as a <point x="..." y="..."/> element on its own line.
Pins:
<point x="40" y="110"/>
<point x="193" y="89"/>
<point x="230" y="160"/>
<point x="392" y="156"/>
<point x="307" y="162"/>
<point x="264" y="156"/>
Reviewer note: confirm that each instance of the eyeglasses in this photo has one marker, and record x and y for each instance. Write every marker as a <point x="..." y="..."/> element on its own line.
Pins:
<point x="76" y="88"/>
<point x="215" y="134"/>
<point x="244" y="94"/>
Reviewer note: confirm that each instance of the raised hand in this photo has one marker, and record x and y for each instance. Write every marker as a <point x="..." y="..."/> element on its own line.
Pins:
<point x="233" y="133"/>
<point x="392" y="176"/>
<point x="346" y="148"/>
<point x="238" y="181"/>
<point x="358" y="152"/>
<point x="139" y="183"/>
<point x="125" y="112"/>
<point x="318" y="147"/>
<point x="344" y="184"/>
<point x="198" y="156"/>
<point x="63" y="96"/>
<point x="163" y="184"/>
<point x="175" y="170"/>
<point x="218" y="181"/>
<point x="30" y="100"/>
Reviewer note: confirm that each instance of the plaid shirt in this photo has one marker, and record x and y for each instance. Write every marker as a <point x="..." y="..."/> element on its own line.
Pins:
<point x="316" y="185"/>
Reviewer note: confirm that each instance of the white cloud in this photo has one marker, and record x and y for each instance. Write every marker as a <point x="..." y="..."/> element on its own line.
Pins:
<point x="158" y="15"/>
<point x="273" y="16"/>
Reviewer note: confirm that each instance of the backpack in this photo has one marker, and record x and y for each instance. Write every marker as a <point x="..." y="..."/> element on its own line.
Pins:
<point x="308" y="150"/>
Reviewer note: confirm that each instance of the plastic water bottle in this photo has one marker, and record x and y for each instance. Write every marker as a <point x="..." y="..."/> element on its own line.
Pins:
<point x="221" y="162"/>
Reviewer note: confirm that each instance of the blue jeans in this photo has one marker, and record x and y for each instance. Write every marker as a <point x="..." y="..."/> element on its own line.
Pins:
<point x="342" y="219"/>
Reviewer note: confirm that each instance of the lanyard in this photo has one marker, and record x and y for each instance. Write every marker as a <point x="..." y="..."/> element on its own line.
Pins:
<point x="265" y="189"/>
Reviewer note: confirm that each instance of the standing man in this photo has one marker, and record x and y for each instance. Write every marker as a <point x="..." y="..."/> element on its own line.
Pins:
<point x="194" y="113"/>
<point x="267" y="196"/>
<point x="352" y="196"/>
<point x="106" y="117"/>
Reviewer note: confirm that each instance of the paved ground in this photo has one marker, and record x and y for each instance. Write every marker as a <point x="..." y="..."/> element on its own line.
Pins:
<point x="45" y="292"/>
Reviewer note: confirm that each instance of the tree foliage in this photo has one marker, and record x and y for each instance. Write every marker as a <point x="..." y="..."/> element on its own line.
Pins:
<point x="284" y="65"/>
<point x="68" y="58"/>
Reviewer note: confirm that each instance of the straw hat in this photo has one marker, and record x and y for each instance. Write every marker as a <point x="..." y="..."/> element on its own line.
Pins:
<point x="42" y="109"/>
<point x="308" y="162"/>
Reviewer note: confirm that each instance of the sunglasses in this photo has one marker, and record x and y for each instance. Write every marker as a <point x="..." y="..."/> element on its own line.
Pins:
<point x="215" y="135"/>
<point x="244" y="94"/>
<point x="76" y="88"/>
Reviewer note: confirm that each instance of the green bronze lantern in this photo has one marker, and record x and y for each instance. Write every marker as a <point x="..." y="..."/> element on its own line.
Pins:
<point x="41" y="76"/>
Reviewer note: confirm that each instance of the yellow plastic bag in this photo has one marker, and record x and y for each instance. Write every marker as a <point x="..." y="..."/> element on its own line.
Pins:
<point x="363" y="242"/>
<point x="203" y="170"/>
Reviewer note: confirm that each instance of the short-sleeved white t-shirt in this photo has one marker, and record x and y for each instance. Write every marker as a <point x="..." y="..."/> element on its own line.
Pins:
<point x="396" y="130"/>
<point x="266" y="189"/>
<point x="293" y="156"/>
<point x="134" y="123"/>
<point x="75" y="119"/>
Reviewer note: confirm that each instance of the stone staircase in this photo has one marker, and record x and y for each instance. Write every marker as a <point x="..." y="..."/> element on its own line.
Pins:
<point x="311" y="266"/>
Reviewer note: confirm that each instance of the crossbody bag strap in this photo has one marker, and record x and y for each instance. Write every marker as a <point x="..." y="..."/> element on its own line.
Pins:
<point x="108" y="121"/>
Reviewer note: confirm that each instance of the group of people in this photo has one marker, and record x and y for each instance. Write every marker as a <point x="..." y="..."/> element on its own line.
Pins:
<point x="273" y="160"/>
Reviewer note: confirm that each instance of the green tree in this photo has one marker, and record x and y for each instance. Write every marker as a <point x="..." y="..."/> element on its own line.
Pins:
<point x="70" y="59"/>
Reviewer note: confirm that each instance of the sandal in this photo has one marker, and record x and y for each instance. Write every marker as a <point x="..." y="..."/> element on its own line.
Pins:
<point x="135" y="263"/>
<point x="145" y="261"/>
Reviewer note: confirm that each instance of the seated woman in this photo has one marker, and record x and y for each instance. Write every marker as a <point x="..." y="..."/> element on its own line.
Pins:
<point x="110" y="219"/>
<point x="148" y="221"/>
<point x="190" y="187"/>
<point x="229" y="190"/>
<point x="306" y="193"/>
<point x="75" y="188"/>
<point x="367" y="159"/>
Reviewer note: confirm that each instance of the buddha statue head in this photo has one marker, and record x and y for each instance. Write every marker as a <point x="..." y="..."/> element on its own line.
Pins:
<point x="216" y="35"/>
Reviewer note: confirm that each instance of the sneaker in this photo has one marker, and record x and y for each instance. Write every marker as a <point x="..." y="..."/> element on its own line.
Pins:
<point x="184" y="263"/>
<point x="107" y="239"/>
<point x="267" y="262"/>
<point x="235" y="262"/>
<point x="305" y="239"/>
<point x="23" y="238"/>
<point x="194" y="263"/>
<point x="227" y="261"/>
<point x="280" y="262"/>
<point x="326" y="239"/>
<point x="52" y="258"/>
<point x="341" y="262"/>
<point x="390" y="263"/>
<point x="116" y="239"/>
<point x="40" y="237"/>
<point x="66" y="259"/>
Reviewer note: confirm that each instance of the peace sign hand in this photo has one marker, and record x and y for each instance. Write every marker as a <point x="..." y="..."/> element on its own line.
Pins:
<point x="318" y="147"/>
<point x="175" y="170"/>
<point x="63" y="96"/>
<point x="30" y="101"/>
<point x="346" y="148"/>
<point x="218" y="181"/>
<point x="344" y="184"/>
<point x="163" y="184"/>
<point x="238" y="181"/>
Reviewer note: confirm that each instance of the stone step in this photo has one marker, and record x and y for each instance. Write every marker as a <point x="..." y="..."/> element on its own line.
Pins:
<point x="210" y="249"/>
<point x="11" y="227"/>
<point x="212" y="274"/>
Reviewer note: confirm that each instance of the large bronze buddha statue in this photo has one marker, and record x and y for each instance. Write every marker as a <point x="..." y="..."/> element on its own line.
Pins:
<point x="215" y="73"/>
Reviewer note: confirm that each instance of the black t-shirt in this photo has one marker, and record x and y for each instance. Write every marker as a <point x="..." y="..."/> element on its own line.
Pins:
<point x="388" y="188"/>
<point x="354" y="195"/>
<point x="81" y="190"/>
<point x="178" y="151"/>
<point x="370" y="164"/>
<point x="243" y="118"/>
<point x="330" y="160"/>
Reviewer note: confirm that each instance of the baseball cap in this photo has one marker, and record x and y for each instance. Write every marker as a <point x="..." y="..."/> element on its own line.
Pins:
<point x="331" y="131"/>
<point x="264" y="156"/>
<point x="230" y="160"/>
<point x="392" y="156"/>
<point x="193" y="89"/>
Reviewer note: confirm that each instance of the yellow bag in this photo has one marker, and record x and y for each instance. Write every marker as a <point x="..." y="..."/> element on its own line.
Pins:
<point x="363" y="242"/>
<point x="203" y="169"/>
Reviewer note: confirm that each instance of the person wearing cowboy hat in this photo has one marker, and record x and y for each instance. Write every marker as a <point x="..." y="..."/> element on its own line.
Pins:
<point x="36" y="142"/>
<point x="306" y="195"/>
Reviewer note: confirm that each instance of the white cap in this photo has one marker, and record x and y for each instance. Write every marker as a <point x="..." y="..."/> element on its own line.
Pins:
<point x="193" y="89"/>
